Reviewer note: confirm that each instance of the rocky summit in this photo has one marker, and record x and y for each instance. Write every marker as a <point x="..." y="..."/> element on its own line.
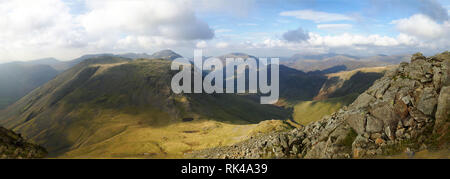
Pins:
<point x="13" y="146"/>
<point x="405" y="111"/>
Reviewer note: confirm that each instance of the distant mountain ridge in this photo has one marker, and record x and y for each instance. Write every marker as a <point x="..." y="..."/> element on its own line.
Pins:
<point x="18" y="79"/>
<point x="166" y="54"/>
<point x="324" y="62"/>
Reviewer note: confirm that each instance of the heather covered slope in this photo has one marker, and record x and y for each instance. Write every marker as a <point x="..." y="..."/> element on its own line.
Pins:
<point x="405" y="111"/>
<point x="115" y="107"/>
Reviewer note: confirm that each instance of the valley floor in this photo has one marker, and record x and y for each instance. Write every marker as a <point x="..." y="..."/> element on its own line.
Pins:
<point x="174" y="140"/>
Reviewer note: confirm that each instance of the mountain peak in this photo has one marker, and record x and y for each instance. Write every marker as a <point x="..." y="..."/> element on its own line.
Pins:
<point x="166" y="54"/>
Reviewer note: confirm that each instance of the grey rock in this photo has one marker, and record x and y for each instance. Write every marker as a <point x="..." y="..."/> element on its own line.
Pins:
<point x="417" y="56"/>
<point x="384" y="111"/>
<point x="389" y="132"/>
<point x="379" y="87"/>
<point x="428" y="101"/>
<point x="374" y="125"/>
<point x="407" y="100"/>
<point x="443" y="107"/>
<point x="356" y="120"/>
<point x="418" y="69"/>
<point x="362" y="101"/>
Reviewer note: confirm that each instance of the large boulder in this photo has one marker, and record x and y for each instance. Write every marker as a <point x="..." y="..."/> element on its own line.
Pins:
<point x="384" y="111"/>
<point x="443" y="107"/>
<point x="356" y="119"/>
<point x="427" y="101"/>
<point x="442" y="124"/>
<point x="374" y="125"/>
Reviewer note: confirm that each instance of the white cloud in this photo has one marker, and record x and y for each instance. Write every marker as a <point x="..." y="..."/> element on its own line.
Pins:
<point x="422" y="26"/>
<point x="37" y="29"/>
<point x="201" y="44"/>
<point x="434" y="9"/>
<point x="344" y="43"/>
<point x="222" y="45"/>
<point x="334" y="26"/>
<point x="168" y="19"/>
<point x="346" y="40"/>
<point x="316" y="16"/>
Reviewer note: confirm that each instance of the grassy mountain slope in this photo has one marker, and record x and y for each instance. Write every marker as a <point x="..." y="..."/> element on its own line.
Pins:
<point x="111" y="107"/>
<point x="347" y="82"/>
<point x="306" y="112"/>
<point x="340" y="89"/>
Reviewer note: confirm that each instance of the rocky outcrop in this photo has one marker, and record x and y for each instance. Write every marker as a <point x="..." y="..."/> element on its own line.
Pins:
<point x="13" y="146"/>
<point x="407" y="109"/>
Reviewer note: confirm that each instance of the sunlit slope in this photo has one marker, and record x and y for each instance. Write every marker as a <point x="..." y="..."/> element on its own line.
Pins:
<point x="306" y="112"/>
<point x="171" y="141"/>
<point x="107" y="102"/>
<point x="339" y="90"/>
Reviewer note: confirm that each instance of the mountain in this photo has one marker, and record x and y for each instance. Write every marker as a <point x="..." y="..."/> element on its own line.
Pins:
<point x="18" y="79"/>
<point x="313" y="95"/>
<point x="236" y="55"/>
<point x="44" y="61"/>
<point x="297" y="57"/>
<point x="331" y="63"/>
<point x="52" y="62"/>
<point x="295" y="85"/>
<point x="135" y="55"/>
<point x="348" y="82"/>
<point x="403" y="113"/>
<point x="165" y="54"/>
<point x="117" y="107"/>
<point x="13" y="146"/>
<point x="340" y="89"/>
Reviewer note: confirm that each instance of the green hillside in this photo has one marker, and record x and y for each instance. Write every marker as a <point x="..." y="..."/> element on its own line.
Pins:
<point x="340" y="89"/>
<point x="115" y="107"/>
<point x="306" y="112"/>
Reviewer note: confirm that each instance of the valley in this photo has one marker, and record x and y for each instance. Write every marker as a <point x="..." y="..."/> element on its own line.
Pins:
<point x="108" y="106"/>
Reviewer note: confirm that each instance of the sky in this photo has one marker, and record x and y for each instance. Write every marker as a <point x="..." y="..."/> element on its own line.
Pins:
<point x="67" y="29"/>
